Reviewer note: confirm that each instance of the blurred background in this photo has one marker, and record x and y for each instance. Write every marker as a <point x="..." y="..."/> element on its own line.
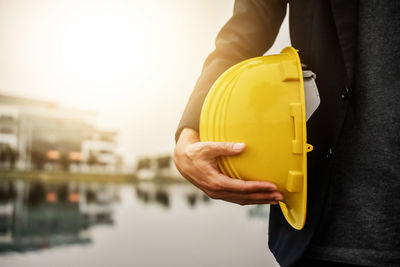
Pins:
<point x="91" y="93"/>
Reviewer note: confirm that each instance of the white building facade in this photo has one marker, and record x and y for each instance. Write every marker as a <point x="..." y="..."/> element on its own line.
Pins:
<point x="36" y="134"/>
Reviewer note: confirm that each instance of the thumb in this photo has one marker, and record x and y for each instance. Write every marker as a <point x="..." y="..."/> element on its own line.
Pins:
<point x="216" y="149"/>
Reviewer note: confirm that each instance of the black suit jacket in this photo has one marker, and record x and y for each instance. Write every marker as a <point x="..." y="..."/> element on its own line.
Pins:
<point x="324" y="31"/>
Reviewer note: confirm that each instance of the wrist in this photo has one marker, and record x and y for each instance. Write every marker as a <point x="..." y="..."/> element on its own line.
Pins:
<point x="188" y="135"/>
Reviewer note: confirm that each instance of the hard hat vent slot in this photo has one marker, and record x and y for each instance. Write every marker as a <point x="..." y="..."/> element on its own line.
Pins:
<point x="297" y="142"/>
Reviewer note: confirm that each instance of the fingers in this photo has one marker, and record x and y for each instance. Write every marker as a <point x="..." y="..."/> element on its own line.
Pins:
<point x="248" y="199"/>
<point x="197" y="163"/>
<point x="216" y="149"/>
<point x="241" y="186"/>
<point x="241" y="192"/>
<point x="215" y="183"/>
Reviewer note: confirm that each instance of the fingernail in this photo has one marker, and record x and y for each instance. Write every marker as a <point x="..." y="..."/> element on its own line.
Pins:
<point x="273" y="188"/>
<point x="238" y="147"/>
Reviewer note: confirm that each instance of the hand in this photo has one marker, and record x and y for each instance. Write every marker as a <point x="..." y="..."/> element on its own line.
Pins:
<point x="197" y="162"/>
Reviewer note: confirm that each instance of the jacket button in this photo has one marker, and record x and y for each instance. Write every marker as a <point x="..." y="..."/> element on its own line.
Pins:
<point x="330" y="153"/>
<point x="344" y="94"/>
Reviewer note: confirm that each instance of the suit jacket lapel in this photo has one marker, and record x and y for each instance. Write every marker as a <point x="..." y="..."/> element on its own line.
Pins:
<point x="345" y="14"/>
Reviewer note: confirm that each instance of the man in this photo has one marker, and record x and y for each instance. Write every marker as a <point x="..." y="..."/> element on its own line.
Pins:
<point x="354" y="171"/>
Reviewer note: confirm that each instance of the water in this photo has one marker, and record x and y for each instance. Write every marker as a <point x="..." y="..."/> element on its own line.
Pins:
<point x="145" y="224"/>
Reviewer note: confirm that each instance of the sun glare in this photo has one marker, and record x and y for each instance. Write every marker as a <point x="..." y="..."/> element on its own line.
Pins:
<point x="133" y="62"/>
<point x="97" y="50"/>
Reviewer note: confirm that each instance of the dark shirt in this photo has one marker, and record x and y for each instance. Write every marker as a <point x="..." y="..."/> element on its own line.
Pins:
<point x="361" y="219"/>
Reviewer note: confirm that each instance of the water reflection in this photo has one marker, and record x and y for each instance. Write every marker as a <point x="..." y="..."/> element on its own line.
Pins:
<point x="258" y="212"/>
<point x="159" y="194"/>
<point x="144" y="224"/>
<point x="194" y="198"/>
<point x="35" y="215"/>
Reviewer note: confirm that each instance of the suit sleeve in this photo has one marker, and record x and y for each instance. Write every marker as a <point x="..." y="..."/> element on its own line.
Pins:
<point x="250" y="32"/>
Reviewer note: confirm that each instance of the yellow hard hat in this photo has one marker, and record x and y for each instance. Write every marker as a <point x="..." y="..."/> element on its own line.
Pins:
<point x="260" y="102"/>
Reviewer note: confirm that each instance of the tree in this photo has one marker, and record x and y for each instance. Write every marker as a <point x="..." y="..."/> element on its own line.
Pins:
<point x="13" y="157"/>
<point x="92" y="160"/>
<point x="143" y="163"/>
<point x="65" y="162"/>
<point x="163" y="162"/>
<point x="38" y="159"/>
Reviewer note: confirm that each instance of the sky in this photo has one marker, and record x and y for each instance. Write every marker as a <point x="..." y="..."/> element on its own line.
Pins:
<point x="133" y="62"/>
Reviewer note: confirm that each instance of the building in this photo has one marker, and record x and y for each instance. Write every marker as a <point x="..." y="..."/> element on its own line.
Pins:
<point x="99" y="148"/>
<point x="154" y="167"/>
<point x="37" y="134"/>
